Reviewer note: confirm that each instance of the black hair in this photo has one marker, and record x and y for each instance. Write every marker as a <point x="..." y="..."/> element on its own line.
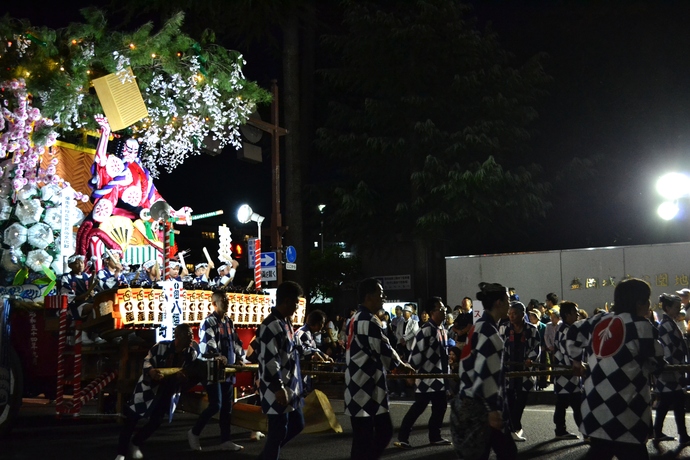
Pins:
<point x="667" y="300"/>
<point x="568" y="308"/>
<point x="288" y="290"/>
<point x="552" y="297"/>
<point x="431" y="304"/>
<point x="316" y="317"/>
<point x="629" y="294"/>
<point x="490" y="293"/>
<point x="217" y="296"/>
<point x="516" y="305"/>
<point x="367" y="286"/>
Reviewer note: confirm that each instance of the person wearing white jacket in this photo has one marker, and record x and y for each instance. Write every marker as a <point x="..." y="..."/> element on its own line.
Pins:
<point x="407" y="330"/>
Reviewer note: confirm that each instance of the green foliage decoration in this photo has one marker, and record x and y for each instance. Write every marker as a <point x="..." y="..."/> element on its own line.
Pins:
<point x="194" y="89"/>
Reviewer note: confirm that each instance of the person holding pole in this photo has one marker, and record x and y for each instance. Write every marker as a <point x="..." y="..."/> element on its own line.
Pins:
<point x="622" y="352"/>
<point x="479" y="419"/>
<point x="429" y="356"/>
<point x="218" y="340"/>
<point x="368" y="356"/>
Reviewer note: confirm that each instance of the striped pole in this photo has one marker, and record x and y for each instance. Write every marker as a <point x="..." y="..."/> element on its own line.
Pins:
<point x="93" y="388"/>
<point x="167" y="247"/>
<point x="257" y="263"/>
<point x="62" y="337"/>
<point x="76" y="382"/>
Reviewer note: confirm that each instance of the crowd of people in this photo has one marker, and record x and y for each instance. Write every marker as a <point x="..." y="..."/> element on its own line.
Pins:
<point x="617" y="361"/>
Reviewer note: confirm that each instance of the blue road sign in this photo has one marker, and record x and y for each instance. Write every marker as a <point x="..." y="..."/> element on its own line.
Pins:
<point x="290" y="254"/>
<point x="268" y="259"/>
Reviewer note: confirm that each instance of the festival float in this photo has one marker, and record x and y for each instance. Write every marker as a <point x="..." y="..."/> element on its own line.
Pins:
<point x="148" y="99"/>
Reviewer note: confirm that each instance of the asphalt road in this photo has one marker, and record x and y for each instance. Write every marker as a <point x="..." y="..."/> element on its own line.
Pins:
<point x="39" y="435"/>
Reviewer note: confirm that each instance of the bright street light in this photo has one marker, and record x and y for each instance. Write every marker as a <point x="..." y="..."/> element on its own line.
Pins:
<point x="246" y="215"/>
<point x="673" y="186"/>
<point x="668" y="210"/>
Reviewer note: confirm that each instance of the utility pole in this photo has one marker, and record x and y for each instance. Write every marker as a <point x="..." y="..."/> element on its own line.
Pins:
<point x="273" y="128"/>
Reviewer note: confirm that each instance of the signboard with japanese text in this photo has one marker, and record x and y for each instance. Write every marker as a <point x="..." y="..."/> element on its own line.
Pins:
<point x="172" y="307"/>
<point x="585" y="276"/>
<point x="395" y="282"/>
<point x="269" y="274"/>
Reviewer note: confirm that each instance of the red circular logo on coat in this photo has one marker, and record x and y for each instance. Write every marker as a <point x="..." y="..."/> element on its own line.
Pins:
<point x="608" y="337"/>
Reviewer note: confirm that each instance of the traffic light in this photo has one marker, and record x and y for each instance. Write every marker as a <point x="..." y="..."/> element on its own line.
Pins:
<point x="238" y="250"/>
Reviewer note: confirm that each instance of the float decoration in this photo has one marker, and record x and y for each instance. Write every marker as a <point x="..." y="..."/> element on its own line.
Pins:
<point x="193" y="89"/>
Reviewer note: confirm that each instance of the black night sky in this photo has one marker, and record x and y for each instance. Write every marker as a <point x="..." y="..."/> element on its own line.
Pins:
<point x="620" y="97"/>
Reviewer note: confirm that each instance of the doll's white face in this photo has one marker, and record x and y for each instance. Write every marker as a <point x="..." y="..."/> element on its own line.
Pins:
<point x="130" y="150"/>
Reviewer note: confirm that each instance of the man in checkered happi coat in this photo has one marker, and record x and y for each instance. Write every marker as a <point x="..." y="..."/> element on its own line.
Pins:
<point x="368" y="356"/>
<point x="478" y="418"/>
<point x="280" y="380"/>
<point x="218" y="341"/>
<point x="568" y="389"/>
<point x="671" y="384"/>
<point x="429" y="356"/>
<point x="622" y="351"/>
<point x="154" y="395"/>
<point x="522" y="347"/>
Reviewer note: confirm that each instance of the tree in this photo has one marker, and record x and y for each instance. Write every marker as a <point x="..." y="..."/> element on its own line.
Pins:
<point x="192" y="88"/>
<point x="424" y="111"/>
<point x="330" y="272"/>
<point x="281" y="24"/>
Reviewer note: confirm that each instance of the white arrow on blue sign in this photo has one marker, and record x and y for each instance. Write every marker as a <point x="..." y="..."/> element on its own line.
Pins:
<point x="268" y="259"/>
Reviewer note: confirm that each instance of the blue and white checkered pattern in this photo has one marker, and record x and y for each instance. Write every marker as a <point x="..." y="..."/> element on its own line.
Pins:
<point x="531" y="347"/>
<point x="217" y="336"/>
<point x="564" y="384"/>
<point x="675" y="352"/>
<point x="73" y="285"/>
<point x="368" y="356"/>
<point x="622" y="352"/>
<point x="278" y="365"/>
<point x="429" y="356"/>
<point x="108" y="280"/>
<point x="146" y="389"/>
<point x="481" y="364"/>
<point x="304" y="339"/>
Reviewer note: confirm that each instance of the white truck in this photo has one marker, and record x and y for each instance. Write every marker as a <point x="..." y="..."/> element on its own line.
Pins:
<point x="584" y="276"/>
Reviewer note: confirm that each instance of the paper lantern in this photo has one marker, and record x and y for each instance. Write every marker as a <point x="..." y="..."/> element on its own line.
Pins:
<point x="15" y="235"/>
<point x="27" y="192"/>
<point x="29" y="212"/>
<point x="51" y="192"/>
<point x="37" y="258"/>
<point x="40" y="236"/>
<point x="56" y="266"/>
<point x="5" y="188"/>
<point x="122" y="102"/>
<point x="53" y="217"/>
<point x="5" y="209"/>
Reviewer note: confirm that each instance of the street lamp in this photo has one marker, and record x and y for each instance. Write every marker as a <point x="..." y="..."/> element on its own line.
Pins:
<point x="672" y="186"/>
<point x="246" y="215"/>
<point x="321" y="208"/>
